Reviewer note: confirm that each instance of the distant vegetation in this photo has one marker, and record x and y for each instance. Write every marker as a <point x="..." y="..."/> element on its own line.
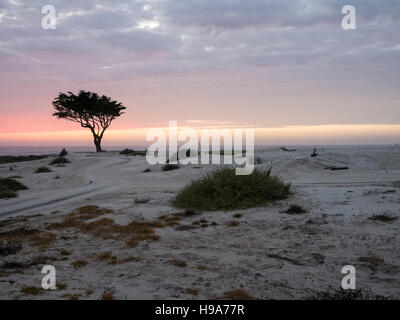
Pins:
<point x="9" y="188"/>
<point x="60" y="160"/>
<point x="222" y="189"/>
<point x="131" y="152"/>
<point x="42" y="170"/>
<point x="12" y="159"/>
<point x="169" y="167"/>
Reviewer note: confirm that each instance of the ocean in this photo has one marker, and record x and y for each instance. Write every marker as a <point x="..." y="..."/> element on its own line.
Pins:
<point x="40" y="150"/>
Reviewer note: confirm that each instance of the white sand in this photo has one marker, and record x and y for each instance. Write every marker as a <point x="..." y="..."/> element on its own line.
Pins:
<point x="269" y="255"/>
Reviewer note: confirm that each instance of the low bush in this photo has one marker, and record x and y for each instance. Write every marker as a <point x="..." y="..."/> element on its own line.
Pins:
<point x="59" y="160"/>
<point x="223" y="189"/>
<point x="12" y="184"/>
<point x="42" y="170"/>
<point x="9" y="188"/>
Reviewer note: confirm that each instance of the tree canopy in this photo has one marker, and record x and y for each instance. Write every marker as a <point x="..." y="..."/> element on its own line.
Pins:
<point x="89" y="110"/>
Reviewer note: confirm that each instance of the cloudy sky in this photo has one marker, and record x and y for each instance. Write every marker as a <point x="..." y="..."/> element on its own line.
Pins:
<point x="284" y="67"/>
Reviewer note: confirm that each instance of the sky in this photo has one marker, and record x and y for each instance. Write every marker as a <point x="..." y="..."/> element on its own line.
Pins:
<point x="285" y="68"/>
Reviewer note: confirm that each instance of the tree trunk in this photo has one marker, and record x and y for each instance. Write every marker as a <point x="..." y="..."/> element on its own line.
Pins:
<point x="97" y="143"/>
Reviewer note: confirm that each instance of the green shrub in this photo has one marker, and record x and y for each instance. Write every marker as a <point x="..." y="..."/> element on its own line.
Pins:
<point x="223" y="189"/>
<point x="42" y="170"/>
<point x="60" y="160"/>
<point x="8" y="188"/>
<point x="12" y="184"/>
<point x="6" y="192"/>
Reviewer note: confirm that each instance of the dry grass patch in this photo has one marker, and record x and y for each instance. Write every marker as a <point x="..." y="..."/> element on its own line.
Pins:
<point x="72" y="296"/>
<point x="61" y="286"/>
<point x="31" y="290"/>
<point x="157" y="224"/>
<point x="43" y="241"/>
<point x="65" y="252"/>
<point x="193" y="292"/>
<point x="371" y="260"/>
<point x="113" y="260"/>
<point x="233" y="223"/>
<point x="202" y="268"/>
<point x="178" y="262"/>
<point x="18" y="271"/>
<point x="236" y="295"/>
<point x="106" y="228"/>
<point x="34" y="237"/>
<point x="77" y="264"/>
<point x="128" y="259"/>
<point x="172" y="223"/>
<point x="173" y="218"/>
<point x="88" y="292"/>
<point x="107" y="256"/>
<point x="107" y="295"/>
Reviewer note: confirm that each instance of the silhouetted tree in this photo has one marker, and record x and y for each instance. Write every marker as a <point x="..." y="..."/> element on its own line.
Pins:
<point x="89" y="110"/>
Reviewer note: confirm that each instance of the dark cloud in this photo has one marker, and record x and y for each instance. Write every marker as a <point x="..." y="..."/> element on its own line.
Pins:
<point x="163" y="36"/>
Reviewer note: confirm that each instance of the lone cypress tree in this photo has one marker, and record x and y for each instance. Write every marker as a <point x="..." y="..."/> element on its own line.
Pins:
<point x="89" y="110"/>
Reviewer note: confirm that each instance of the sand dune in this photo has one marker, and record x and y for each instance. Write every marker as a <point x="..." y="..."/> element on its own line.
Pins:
<point x="267" y="253"/>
